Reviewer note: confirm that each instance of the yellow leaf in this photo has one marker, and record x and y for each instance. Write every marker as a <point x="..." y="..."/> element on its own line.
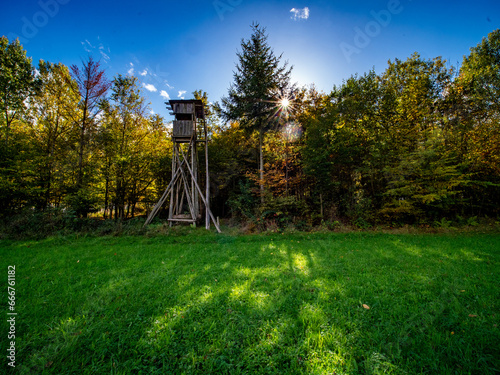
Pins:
<point x="366" y="306"/>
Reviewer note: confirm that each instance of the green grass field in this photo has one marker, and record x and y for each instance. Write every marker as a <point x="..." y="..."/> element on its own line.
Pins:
<point x="203" y="303"/>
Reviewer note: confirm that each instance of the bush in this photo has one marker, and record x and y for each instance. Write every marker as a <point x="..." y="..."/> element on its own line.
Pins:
<point x="467" y="222"/>
<point x="362" y="223"/>
<point x="82" y="202"/>
<point x="284" y="211"/>
<point x="34" y="224"/>
<point x="443" y="223"/>
<point x="242" y="204"/>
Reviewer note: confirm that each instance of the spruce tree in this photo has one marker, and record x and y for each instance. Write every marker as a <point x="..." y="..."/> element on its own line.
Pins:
<point x="260" y="81"/>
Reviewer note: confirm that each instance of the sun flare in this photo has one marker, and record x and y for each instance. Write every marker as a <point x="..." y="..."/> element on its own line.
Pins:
<point x="285" y="102"/>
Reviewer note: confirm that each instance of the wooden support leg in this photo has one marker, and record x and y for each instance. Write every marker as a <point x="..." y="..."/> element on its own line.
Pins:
<point x="202" y="196"/>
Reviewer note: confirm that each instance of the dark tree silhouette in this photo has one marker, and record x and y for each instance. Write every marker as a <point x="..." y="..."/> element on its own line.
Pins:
<point x="259" y="81"/>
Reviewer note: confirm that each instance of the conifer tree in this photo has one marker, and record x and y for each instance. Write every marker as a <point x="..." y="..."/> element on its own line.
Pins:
<point x="260" y="81"/>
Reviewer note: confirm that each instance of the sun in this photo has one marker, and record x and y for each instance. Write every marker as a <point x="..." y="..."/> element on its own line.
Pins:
<point x="284" y="103"/>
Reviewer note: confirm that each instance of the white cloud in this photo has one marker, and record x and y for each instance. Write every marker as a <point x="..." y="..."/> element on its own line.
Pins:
<point x="103" y="50"/>
<point x="181" y="94"/>
<point x="164" y="94"/>
<point x="87" y="46"/>
<point x="149" y="87"/>
<point x="152" y="112"/>
<point x="300" y="14"/>
<point x="144" y="72"/>
<point x="130" y="72"/>
<point x="104" y="56"/>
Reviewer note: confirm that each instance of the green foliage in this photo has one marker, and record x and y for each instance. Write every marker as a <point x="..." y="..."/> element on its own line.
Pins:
<point x="231" y="154"/>
<point x="82" y="202"/>
<point x="283" y="210"/>
<point x="17" y="83"/>
<point x="387" y="147"/>
<point x="474" y="109"/>
<point x="414" y="144"/>
<point x="91" y="86"/>
<point x="259" y="81"/>
<point x="52" y="131"/>
<point x="424" y="181"/>
<point x="243" y="202"/>
<point x="35" y="225"/>
<point x="126" y="133"/>
<point x="479" y="77"/>
<point x="467" y="221"/>
<point x="17" y="170"/>
<point x="443" y="223"/>
<point x="361" y="223"/>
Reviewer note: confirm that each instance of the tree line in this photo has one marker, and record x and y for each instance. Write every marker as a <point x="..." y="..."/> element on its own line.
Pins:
<point x="417" y="143"/>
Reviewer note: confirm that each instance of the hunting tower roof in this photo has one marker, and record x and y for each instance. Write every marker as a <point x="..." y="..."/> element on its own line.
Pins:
<point x="198" y="106"/>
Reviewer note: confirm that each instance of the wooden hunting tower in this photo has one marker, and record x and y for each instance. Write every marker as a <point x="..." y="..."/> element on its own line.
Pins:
<point x="189" y="129"/>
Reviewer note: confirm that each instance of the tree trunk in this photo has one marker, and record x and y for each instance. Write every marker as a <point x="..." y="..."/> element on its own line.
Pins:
<point x="116" y="210"/>
<point x="261" y="164"/>
<point x="106" y="197"/>
<point x="79" y="180"/>
<point x="286" y="169"/>
<point x="7" y="128"/>
<point x="120" y="209"/>
<point x="321" y="205"/>
<point x="133" y="209"/>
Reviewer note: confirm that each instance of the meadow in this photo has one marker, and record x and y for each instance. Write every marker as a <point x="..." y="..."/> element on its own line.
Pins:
<point x="195" y="302"/>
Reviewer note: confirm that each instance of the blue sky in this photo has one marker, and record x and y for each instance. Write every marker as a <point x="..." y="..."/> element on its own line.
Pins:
<point x="176" y="47"/>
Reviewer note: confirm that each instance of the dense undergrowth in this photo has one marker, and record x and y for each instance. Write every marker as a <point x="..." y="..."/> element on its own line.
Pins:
<point x="31" y="224"/>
